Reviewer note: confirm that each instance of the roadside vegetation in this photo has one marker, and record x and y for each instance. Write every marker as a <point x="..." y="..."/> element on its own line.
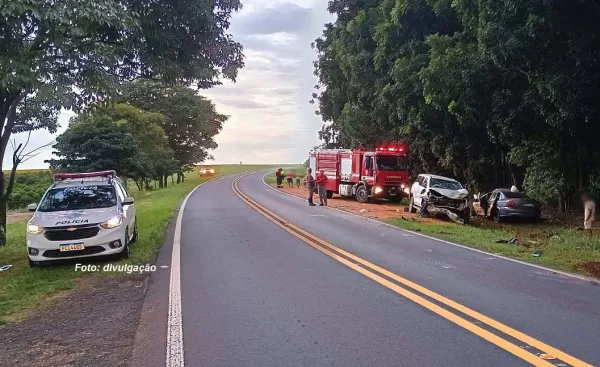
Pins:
<point x="551" y="245"/>
<point x="23" y="288"/>
<point x="444" y="78"/>
<point x="86" y="60"/>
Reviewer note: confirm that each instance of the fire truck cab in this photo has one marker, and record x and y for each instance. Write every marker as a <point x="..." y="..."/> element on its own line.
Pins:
<point x="382" y="173"/>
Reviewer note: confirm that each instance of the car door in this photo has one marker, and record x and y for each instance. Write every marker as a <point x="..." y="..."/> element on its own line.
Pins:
<point x="416" y="189"/>
<point x="492" y="201"/>
<point x="128" y="210"/>
<point x="421" y="190"/>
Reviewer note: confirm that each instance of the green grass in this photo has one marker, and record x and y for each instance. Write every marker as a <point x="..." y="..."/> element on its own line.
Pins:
<point x="272" y="180"/>
<point x="23" y="288"/>
<point x="562" y="248"/>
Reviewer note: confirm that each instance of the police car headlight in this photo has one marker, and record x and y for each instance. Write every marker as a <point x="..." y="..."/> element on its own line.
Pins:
<point x="33" y="229"/>
<point x="113" y="222"/>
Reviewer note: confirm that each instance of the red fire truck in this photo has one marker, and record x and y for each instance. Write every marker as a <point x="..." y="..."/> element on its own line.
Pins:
<point x="379" y="174"/>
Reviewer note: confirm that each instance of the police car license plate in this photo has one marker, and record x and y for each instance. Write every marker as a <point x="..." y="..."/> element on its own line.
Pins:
<point x="71" y="247"/>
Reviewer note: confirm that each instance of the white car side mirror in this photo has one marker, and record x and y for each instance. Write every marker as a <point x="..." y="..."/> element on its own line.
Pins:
<point x="128" y="201"/>
<point x="32" y="207"/>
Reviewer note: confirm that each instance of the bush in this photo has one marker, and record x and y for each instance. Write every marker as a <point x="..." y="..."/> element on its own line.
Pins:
<point x="29" y="188"/>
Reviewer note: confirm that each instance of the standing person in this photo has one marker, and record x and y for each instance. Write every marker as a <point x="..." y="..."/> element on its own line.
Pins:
<point x="279" y="177"/>
<point x="290" y="178"/>
<point x="589" y="210"/>
<point x="298" y="177"/>
<point x="322" y="185"/>
<point x="310" y="184"/>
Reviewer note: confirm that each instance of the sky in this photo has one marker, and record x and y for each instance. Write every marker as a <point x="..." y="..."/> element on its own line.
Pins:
<point x="270" y="119"/>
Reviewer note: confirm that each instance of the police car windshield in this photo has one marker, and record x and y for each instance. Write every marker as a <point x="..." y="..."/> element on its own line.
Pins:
<point x="78" y="198"/>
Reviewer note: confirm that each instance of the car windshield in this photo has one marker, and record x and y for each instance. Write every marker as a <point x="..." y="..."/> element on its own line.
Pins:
<point x="514" y="195"/>
<point x="437" y="183"/>
<point x="78" y="197"/>
<point x="391" y="163"/>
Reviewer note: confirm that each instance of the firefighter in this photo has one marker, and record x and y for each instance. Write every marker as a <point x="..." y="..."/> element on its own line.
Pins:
<point x="310" y="184"/>
<point x="321" y="181"/>
<point x="279" y="176"/>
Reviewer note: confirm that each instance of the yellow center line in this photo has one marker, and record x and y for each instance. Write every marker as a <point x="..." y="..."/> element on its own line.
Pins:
<point x="343" y="257"/>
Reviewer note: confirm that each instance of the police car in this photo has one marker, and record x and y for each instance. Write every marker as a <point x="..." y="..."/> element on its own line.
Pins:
<point x="82" y="215"/>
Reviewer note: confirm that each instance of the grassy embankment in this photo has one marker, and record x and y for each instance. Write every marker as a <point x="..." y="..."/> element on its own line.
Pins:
<point x="562" y="248"/>
<point x="22" y="288"/>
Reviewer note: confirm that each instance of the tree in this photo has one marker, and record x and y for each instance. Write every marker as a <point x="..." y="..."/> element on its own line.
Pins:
<point x="155" y="159"/>
<point x="95" y="142"/>
<point x="191" y="121"/>
<point x="492" y="92"/>
<point x="119" y="137"/>
<point x="66" y="54"/>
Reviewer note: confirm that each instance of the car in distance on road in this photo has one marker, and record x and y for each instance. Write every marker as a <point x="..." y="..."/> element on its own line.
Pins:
<point x="440" y="195"/>
<point x="504" y="204"/>
<point x="82" y="215"/>
<point x="206" y="171"/>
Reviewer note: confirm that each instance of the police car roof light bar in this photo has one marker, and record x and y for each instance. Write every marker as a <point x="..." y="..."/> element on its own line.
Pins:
<point x="71" y="176"/>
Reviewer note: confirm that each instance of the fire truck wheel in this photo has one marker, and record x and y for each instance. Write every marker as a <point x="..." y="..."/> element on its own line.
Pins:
<point x="411" y="206"/>
<point x="329" y="194"/>
<point x="361" y="194"/>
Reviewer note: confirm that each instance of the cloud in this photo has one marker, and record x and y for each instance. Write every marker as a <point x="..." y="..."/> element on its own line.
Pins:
<point x="283" y="17"/>
<point x="242" y="103"/>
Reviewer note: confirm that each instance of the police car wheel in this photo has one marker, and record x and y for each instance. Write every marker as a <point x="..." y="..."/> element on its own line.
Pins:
<point x="135" y="233"/>
<point x="126" y="250"/>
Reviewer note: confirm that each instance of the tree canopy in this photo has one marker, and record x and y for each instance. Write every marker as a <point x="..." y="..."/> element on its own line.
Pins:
<point x="190" y="121"/>
<point x="491" y="92"/>
<point x="71" y="53"/>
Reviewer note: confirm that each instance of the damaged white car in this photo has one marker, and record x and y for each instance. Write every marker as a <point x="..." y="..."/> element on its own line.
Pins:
<point x="434" y="195"/>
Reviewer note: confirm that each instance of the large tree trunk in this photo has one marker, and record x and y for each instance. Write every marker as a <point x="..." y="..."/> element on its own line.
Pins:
<point x="179" y="177"/>
<point x="165" y="179"/>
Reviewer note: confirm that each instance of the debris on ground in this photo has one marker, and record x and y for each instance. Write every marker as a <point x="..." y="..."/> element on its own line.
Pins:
<point x="532" y="242"/>
<point x="5" y="267"/>
<point x="537" y="253"/>
<point x="512" y="241"/>
<point x="591" y="267"/>
<point x="363" y="210"/>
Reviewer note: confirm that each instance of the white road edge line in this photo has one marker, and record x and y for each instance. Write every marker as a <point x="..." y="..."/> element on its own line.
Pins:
<point x="564" y="273"/>
<point x="175" y="323"/>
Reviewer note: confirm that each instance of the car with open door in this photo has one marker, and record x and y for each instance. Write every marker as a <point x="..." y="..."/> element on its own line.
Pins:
<point x="502" y="204"/>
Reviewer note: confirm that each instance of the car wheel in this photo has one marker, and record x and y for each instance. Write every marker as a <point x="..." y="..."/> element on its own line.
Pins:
<point x="496" y="216"/>
<point x="411" y="206"/>
<point x="135" y="232"/>
<point x="361" y="194"/>
<point x="126" y="249"/>
<point x="467" y="216"/>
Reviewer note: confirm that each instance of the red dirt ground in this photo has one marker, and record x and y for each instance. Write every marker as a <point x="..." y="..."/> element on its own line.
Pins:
<point x="375" y="209"/>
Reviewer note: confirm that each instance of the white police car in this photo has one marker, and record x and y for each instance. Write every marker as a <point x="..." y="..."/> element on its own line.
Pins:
<point x="82" y="215"/>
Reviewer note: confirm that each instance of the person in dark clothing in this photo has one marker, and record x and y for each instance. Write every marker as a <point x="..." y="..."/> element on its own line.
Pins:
<point x="279" y="177"/>
<point x="310" y="184"/>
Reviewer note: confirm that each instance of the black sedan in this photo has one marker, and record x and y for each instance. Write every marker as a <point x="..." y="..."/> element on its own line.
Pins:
<point x="503" y="204"/>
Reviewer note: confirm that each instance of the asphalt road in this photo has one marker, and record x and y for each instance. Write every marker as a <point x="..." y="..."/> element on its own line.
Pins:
<point x="254" y="295"/>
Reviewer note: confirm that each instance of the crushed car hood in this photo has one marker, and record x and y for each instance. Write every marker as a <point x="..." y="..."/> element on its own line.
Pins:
<point x="451" y="194"/>
<point x="73" y="217"/>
